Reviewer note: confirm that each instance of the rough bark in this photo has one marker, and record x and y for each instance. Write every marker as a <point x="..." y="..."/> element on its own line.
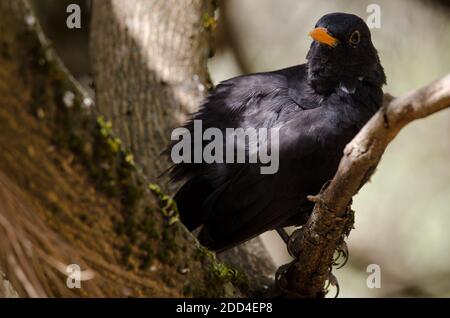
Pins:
<point x="149" y="60"/>
<point x="150" y="66"/>
<point x="331" y="221"/>
<point x="70" y="192"/>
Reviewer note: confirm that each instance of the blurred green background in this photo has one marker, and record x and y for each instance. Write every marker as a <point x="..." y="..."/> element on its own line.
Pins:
<point x="403" y="215"/>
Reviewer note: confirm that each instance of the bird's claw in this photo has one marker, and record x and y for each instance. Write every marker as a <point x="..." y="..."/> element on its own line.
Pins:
<point x="280" y="277"/>
<point x="342" y="251"/>
<point x="332" y="281"/>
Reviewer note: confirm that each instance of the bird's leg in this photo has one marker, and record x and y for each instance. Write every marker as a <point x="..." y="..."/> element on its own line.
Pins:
<point x="283" y="234"/>
<point x="293" y="244"/>
<point x="291" y="240"/>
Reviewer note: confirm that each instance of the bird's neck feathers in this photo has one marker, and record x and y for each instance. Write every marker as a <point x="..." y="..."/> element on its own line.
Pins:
<point x="325" y="79"/>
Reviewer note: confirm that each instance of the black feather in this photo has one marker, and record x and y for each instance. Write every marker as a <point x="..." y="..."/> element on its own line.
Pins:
<point x="319" y="107"/>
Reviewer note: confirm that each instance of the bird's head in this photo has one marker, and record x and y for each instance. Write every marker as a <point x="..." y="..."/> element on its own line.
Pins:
<point x="342" y="52"/>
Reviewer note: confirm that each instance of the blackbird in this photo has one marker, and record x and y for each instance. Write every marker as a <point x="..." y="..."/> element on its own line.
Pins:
<point x="318" y="107"/>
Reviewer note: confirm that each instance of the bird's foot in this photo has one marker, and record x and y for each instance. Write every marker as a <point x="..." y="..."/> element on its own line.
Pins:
<point x="283" y="234"/>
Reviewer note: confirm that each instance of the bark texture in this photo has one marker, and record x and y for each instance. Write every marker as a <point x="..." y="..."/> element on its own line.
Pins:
<point x="70" y="193"/>
<point x="149" y="59"/>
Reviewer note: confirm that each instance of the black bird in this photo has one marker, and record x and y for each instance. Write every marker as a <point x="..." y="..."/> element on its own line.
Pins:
<point x="318" y="106"/>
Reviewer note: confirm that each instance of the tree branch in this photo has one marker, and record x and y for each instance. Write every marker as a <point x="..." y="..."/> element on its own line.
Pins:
<point x="331" y="219"/>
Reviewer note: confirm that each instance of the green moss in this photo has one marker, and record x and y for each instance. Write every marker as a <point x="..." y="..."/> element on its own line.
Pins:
<point x="168" y="206"/>
<point x="105" y="130"/>
<point x="204" y="253"/>
<point x="129" y="159"/>
<point x="105" y="127"/>
<point x="209" y="22"/>
<point x="221" y="273"/>
<point x="218" y="276"/>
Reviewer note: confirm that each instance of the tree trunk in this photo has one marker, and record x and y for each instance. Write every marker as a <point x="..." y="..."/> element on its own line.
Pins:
<point x="149" y="60"/>
<point x="150" y="66"/>
<point x="71" y="194"/>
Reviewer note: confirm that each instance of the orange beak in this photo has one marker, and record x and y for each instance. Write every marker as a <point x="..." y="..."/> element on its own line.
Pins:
<point x="321" y="35"/>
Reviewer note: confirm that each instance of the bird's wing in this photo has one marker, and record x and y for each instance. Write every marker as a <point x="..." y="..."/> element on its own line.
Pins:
<point x="250" y="203"/>
<point x="254" y="100"/>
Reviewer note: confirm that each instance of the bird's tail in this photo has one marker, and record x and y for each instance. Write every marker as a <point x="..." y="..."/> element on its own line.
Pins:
<point x="189" y="199"/>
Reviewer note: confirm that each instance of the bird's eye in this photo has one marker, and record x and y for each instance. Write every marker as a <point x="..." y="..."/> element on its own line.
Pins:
<point x="355" y="38"/>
